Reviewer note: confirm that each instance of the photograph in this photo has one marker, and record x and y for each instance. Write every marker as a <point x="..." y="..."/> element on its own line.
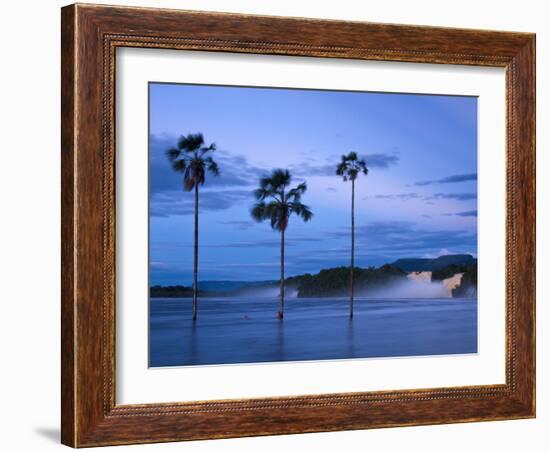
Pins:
<point x="292" y="224"/>
<point x="260" y="226"/>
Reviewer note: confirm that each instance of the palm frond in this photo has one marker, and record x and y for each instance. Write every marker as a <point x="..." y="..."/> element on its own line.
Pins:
<point x="301" y="188"/>
<point x="265" y="182"/>
<point x="261" y="193"/>
<point x="296" y="193"/>
<point x="341" y="168"/>
<point x="303" y="211"/>
<point x="212" y="166"/>
<point x="293" y="195"/>
<point x="281" y="205"/>
<point x="278" y="214"/>
<point x="280" y="178"/>
<point x="179" y="165"/>
<point x="258" y="211"/>
<point x="352" y="156"/>
<point x="187" y="158"/>
<point x="273" y="185"/>
<point x="352" y="173"/>
<point x="190" y="142"/>
<point x="363" y="166"/>
<point x="350" y="166"/>
<point x="173" y="154"/>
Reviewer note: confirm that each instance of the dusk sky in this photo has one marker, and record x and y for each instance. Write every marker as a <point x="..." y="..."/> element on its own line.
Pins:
<point x="418" y="200"/>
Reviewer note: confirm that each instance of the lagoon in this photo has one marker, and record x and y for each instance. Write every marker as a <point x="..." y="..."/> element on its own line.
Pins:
<point x="246" y="330"/>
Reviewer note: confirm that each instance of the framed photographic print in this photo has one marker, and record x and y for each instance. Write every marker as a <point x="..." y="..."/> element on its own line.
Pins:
<point x="280" y="225"/>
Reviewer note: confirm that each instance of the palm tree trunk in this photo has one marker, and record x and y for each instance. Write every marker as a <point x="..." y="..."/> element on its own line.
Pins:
<point x="282" y="294"/>
<point x="196" y="254"/>
<point x="352" y="249"/>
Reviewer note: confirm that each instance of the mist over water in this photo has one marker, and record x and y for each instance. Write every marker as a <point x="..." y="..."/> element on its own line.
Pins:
<point x="267" y="292"/>
<point x="260" y="292"/>
<point x="417" y="285"/>
<point x="412" y="287"/>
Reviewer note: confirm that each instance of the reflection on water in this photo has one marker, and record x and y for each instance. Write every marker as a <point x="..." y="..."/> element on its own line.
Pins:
<point x="246" y="330"/>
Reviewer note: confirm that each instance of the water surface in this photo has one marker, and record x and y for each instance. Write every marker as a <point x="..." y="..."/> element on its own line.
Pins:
<point x="246" y="330"/>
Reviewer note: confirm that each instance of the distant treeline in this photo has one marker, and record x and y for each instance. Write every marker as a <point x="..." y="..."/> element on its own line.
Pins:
<point x="335" y="282"/>
<point x="326" y="283"/>
<point x="171" y="291"/>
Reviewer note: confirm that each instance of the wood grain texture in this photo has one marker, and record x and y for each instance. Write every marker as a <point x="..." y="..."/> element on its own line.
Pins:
<point x="90" y="36"/>
<point x="68" y="147"/>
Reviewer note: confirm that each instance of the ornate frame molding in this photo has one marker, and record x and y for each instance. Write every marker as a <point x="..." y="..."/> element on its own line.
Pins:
<point x="90" y="37"/>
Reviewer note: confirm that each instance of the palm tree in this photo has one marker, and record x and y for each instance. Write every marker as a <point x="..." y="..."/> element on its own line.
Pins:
<point x="277" y="205"/>
<point x="349" y="168"/>
<point x="191" y="157"/>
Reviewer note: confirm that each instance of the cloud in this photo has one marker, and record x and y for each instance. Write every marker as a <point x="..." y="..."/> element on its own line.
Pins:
<point x="328" y="167"/>
<point x="164" y="273"/>
<point x="253" y="265"/>
<point x="457" y="196"/>
<point x="179" y="202"/>
<point x="399" y="196"/>
<point x="381" y="160"/>
<point x="405" y="239"/>
<point x="442" y="252"/>
<point x="265" y="243"/>
<point x="376" y="243"/>
<point x="273" y="242"/>
<point x="467" y="213"/>
<point x="449" y="179"/>
<point x="242" y="225"/>
<point x="381" y="242"/>
<point x="268" y="243"/>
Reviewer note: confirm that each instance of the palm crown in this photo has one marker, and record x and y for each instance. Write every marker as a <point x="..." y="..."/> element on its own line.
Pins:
<point x="276" y="204"/>
<point x="191" y="158"/>
<point x="351" y="166"/>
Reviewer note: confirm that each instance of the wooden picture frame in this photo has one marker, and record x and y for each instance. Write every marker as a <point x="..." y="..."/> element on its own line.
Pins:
<point x="90" y="36"/>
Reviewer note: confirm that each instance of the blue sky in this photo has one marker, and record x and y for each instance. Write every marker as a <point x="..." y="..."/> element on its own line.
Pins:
<point x="418" y="200"/>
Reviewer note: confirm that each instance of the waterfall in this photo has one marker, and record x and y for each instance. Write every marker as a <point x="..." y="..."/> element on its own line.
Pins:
<point x="453" y="282"/>
<point x="424" y="284"/>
